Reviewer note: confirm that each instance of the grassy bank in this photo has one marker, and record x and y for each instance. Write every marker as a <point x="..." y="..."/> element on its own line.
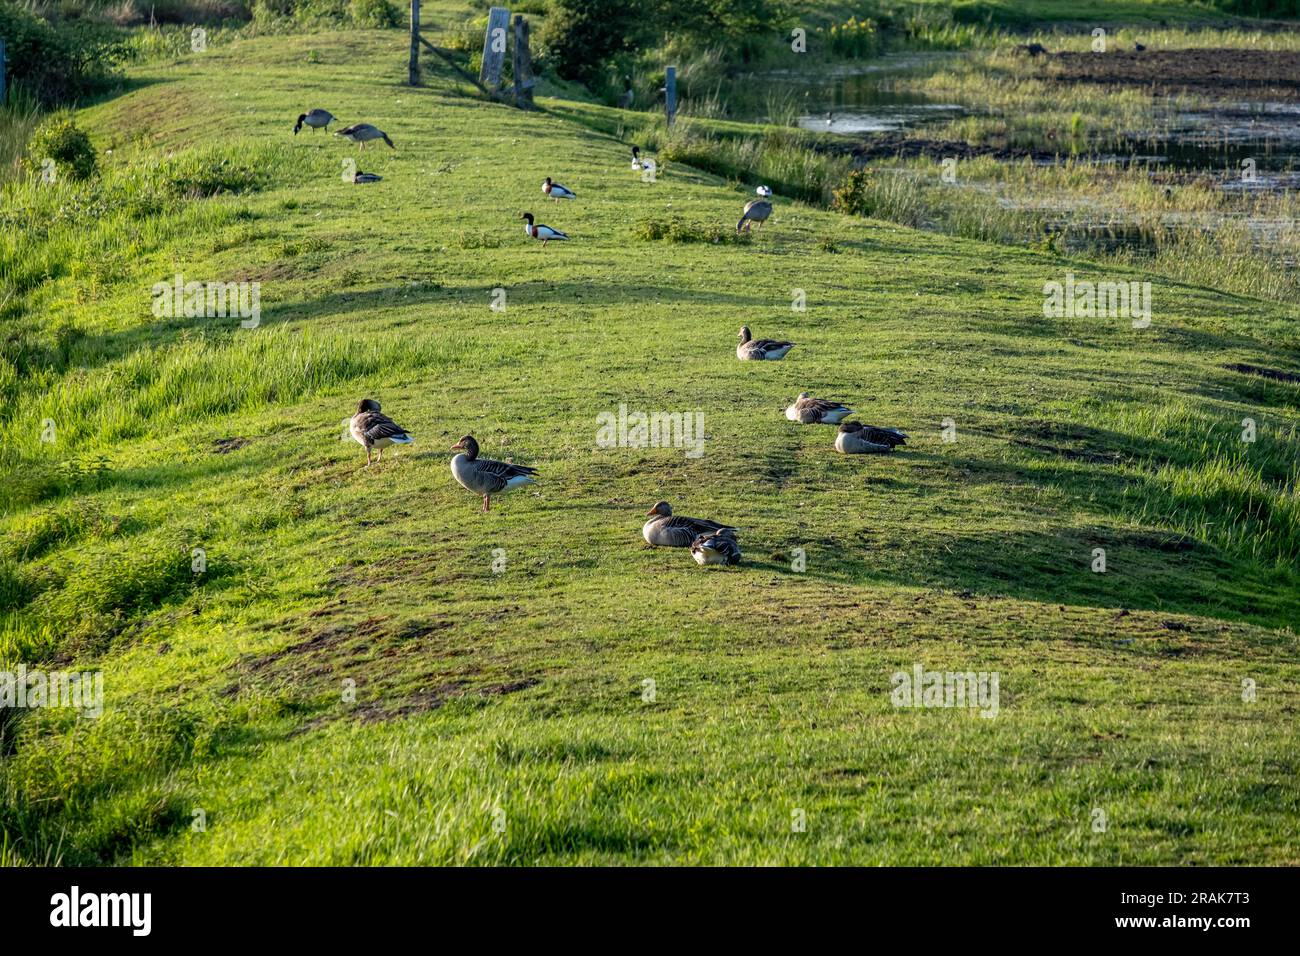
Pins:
<point x="505" y="717"/>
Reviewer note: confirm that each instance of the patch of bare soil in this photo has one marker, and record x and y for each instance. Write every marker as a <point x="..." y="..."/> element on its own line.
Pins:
<point x="1254" y="74"/>
<point x="891" y="145"/>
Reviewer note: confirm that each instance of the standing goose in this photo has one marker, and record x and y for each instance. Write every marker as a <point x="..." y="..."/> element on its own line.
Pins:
<point x="855" y="438"/>
<point x="374" y="430"/>
<point x="760" y="349"/>
<point x="363" y="133"/>
<point x="817" y="411"/>
<point x="484" y="476"/>
<point x="667" y="530"/>
<point x="316" y="119"/>
<point x="556" y="191"/>
<point x="756" y="211"/>
<point x="544" y="233"/>
<point x="629" y="95"/>
<point x="716" y="547"/>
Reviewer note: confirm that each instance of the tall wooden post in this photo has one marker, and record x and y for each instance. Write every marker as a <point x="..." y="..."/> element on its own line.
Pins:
<point x="670" y="95"/>
<point x="413" y="68"/>
<point x="494" y="48"/>
<point x="523" y="66"/>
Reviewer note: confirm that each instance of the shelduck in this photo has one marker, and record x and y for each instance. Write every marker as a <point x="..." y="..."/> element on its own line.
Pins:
<point x="855" y="438"/>
<point x="363" y="133"/>
<point x="751" y="348"/>
<point x="544" y="233"/>
<point x="484" y="476"/>
<point x="764" y="192"/>
<point x="316" y="119"/>
<point x="817" y="411"/>
<point x="374" y="430"/>
<point x="667" y="530"/>
<point x="556" y="191"/>
<point x="716" y="547"/>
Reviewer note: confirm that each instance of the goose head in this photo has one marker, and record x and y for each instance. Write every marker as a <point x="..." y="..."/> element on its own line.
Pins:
<point x="468" y="445"/>
<point x="803" y="395"/>
<point x="636" y="152"/>
<point x="367" y="405"/>
<point x="662" y="509"/>
<point x="297" y="126"/>
<point x="745" y="334"/>
<point x="849" y="428"/>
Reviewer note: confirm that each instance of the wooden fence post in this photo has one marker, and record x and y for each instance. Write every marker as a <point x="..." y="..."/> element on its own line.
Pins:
<point x="494" y="48"/>
<point x="670" y="95"/>
<point x="523" y="66"/>
<point x="413" y="68"/>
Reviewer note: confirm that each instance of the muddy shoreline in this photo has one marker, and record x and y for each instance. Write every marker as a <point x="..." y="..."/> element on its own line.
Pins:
<point x="1231" y="73"/>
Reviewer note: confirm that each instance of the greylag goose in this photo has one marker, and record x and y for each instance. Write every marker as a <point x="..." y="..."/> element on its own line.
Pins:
<point x="716" y="547"/>
<point x="556" y="191"/>
<point x="316" y="119"/>
<point x="667" y="530"/>
<point x="484" y="476"/>
<point x="374" y="430"/>
<point x="544" y="233"/>
<point x="760" y="349"/>
<point x="855" y="438"/>
<point x="363" y="133"/>
<point x="756" y="211"/>
<point x="817" y="411"/>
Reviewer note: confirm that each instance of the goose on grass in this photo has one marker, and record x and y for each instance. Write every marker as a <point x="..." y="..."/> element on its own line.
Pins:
<point x="855" y="438"/>
<point x="817" y="411"/>
<point x="544" y="233"/>
<point x="716" y="547"/>
<point x="315" y="119"/>
<point x="485" y="476"/>
<point x="362" y="133"/>
<point x="374" y="430"/>
<point x="752" y="349"/>
<point x="667" y="530"/>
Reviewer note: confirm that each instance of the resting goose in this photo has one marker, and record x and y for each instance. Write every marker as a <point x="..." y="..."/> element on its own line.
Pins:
<point x="667" y="530"/>
<point x="544" y="233"/>
<point x="363" y="133"/>
<point x="817" y="411"/>
<point x="316" y="119"/>
<point x="716" y="547"/>
<point x="760" y="349"/>
<point x="556" y="191"/>
<point x="484" y="476"/>
<point x="756" y="211"/>
<point x="361" y="177"/>
<point x="855" y="438"/>
<point x="374" y="430"/>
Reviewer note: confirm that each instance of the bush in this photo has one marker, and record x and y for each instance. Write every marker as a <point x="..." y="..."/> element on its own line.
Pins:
<point x="377" y="14"/>
<point x="59" y="139"/>
<point x="579" y="35"/>
<point x="58" y="62"/>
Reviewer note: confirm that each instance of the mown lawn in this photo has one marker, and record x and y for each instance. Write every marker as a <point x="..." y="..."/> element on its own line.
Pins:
<point x="505" y="717"/>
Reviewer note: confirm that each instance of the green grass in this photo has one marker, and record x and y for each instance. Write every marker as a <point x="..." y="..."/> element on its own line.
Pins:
<point x="522" y="692"/>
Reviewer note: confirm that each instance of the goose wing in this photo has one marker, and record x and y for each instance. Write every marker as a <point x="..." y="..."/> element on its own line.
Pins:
<point x="497" y="474"/>
<point x="820" y="406"/>
<point x="377" y="425"/>
<point x="883" y="436"/>
<point x="769" y="345"/>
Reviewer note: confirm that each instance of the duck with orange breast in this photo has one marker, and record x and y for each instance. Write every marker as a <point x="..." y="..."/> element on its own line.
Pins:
<point x="537" y="231"/>
<point x="554" y="190"/>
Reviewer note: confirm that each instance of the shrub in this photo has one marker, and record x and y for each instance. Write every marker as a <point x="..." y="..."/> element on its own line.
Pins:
<point x="59" y="139"/>
<point x="377" y="14"/>
<point x="58" y="62"/>
<point x="579" y="35"/>
<point x="676" y="229"/>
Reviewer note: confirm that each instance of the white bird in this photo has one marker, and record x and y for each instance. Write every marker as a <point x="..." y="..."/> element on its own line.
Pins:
<point x="556" y="191"/>
<point x="373" y="430"/>
<point x="764" y="191"/>
<point x="544" y="233"/>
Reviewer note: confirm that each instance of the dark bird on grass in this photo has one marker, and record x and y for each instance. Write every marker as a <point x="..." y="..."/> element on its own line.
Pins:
<point x="374" y="430"/>
<point x="544" y="233"/>
<point x="556" y="191"/>
<point x="716" y="547"/>
<point x="855" y="438"/>
<point x="362" y="133"/>
<point x="817" y="411"/>
<point x="1139" y="47"/>
<point x="316" y="119"/>
<point x="628" y="96"/>
<point x="752" y="349"/>
<point x="756" y="211"/>
<point x="361" y="177"/>
<point x="484" y="476"/>
<point x="667" y="530"/>
<point x="1033" y="49"/>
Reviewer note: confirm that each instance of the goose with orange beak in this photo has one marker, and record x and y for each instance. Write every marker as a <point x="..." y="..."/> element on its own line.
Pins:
<point x="485" y="476"/>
